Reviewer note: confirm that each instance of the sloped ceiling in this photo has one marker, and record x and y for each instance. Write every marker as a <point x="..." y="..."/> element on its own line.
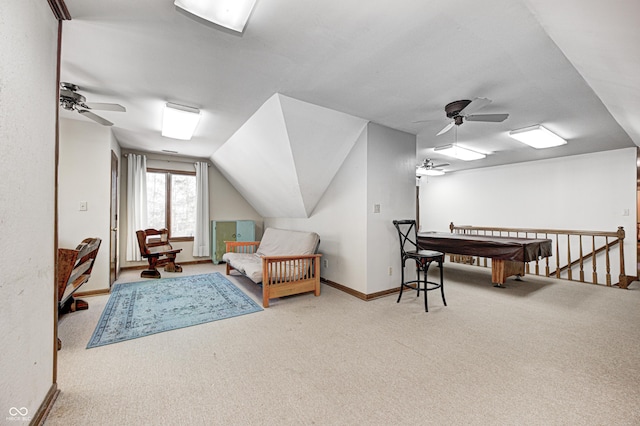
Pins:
<point x="284" y="157"/>
<point x="570" y="65"/>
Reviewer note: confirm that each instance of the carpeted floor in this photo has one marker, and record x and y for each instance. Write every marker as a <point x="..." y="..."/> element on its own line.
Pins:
<point x="539" y="352"/>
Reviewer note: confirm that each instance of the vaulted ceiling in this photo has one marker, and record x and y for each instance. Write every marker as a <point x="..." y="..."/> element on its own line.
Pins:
<point x="571" y="66"/>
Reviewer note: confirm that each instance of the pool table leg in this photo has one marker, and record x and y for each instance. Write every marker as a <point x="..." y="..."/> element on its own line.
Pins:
<point x="501" y="269"/>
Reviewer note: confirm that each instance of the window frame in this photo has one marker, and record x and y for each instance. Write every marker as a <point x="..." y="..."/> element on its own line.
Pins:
<point x="167" y="212"/>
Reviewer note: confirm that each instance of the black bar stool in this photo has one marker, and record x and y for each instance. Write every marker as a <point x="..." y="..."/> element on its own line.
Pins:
<point x="410" y="250"/>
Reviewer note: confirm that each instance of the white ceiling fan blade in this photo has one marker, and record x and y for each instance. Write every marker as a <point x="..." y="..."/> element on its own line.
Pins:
<point x="105" y="106"/>
<point x="446" y="129"/>
<point x="475" y="105"/>
<point x="494" y="118"/>
<point x="95" y="117"/>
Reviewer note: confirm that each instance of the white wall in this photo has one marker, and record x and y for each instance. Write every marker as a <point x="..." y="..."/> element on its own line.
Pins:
<point x="361" y="245"/>
<point x="584" y="192"/>
<point x="341" y="221"/>
<point x="84" y="174"/>
<point x="225" y="203"/>
<point x="294" y="148"/>
<point x="391" y="183"/>
<point x="28" y="34"/>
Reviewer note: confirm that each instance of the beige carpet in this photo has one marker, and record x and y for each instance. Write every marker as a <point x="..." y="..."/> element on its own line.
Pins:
<point x="540" y="352"/>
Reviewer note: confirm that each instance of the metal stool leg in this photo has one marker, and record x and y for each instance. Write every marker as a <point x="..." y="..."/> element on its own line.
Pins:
<point x="426" y="284"/>
<point x="401" y="281"/>
<point x="442" y="282"/>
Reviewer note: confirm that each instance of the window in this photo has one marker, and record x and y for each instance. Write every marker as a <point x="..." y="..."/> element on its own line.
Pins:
<point x="171" y="202"/>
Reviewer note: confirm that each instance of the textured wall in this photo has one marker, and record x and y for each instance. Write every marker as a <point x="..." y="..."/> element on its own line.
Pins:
<point x="84" y="175"/>
<point x="28" y="34"/>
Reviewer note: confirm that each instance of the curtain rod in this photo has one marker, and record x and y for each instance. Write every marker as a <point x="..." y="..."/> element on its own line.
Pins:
<point x="172" y="161"/>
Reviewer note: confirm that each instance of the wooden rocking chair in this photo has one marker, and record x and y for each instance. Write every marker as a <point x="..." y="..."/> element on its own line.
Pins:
<point x="155" y="247"/>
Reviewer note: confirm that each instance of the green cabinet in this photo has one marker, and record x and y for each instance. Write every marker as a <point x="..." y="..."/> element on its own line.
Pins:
<point x="229" y="230"/>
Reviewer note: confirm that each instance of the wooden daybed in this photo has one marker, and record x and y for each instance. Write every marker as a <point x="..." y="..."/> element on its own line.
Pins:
<point x="285" y="262"/>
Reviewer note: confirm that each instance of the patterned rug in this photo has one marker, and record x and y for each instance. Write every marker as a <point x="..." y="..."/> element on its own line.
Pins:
<point x="147" y="307"/>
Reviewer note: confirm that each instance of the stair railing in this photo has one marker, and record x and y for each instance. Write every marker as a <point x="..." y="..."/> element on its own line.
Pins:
<point x="575" y="253"/>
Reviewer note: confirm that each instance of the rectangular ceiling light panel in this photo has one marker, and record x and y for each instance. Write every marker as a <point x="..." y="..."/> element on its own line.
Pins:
<point x="232" y="14"/>
<point x="455" y="151"/>
<point x="537" y="136"/>
<point x="179" y="121"/>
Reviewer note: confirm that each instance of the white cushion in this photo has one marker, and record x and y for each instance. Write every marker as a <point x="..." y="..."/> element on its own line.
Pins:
<point x="246" y="263"/>
<point x="283" y="242"/>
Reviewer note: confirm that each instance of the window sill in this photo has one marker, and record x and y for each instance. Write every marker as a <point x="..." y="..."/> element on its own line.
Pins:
<point x="180" y="239"/>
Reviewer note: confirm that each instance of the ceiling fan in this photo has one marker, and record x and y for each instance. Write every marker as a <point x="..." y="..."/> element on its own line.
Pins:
<point x="463" y="110"/>
<point x="71" y="100"/>
<point x="427" y="167"/>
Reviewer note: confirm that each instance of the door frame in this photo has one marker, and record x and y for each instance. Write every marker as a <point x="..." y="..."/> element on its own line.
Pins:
<point x="113" y="222"/>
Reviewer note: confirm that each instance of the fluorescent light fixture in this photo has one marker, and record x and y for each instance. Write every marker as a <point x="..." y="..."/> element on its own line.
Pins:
<point x="232" y="14"/>
<point x="429" y="172"/>
<point x="179" y="121"/>
<point x="456" y="151"/>
<point x="537" y="136"/>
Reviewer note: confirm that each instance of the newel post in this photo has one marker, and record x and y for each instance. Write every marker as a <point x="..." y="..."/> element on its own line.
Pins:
<point x="622" y="279"/>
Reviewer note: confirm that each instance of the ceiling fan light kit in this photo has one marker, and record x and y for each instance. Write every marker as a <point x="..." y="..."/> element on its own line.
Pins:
<point x="231" y="14"/>
<point x="456" y="151"/>
<point x="179" y="121"/>
<point x="537" y="136"/>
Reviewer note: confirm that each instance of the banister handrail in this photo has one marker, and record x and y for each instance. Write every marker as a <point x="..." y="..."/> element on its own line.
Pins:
<point x="618" y="241"/>
<point x="619" y="233"/>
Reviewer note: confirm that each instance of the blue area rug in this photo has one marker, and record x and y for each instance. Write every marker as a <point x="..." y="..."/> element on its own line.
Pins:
<point x="147" y="307"/>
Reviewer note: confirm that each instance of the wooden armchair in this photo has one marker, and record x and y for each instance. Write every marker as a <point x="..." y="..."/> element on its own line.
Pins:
<point x="155" y="247"/>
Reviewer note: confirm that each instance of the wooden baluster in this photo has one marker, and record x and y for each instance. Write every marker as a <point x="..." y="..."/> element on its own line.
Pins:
<point x="546" y="260"/>
<point x="537" y="260"/>
<point x="557" y="257"/>
<point x="581" y="262"/>
<point x="593" y="259"/>
<point x="608" y="265"/>
<point x="569" y="269"/>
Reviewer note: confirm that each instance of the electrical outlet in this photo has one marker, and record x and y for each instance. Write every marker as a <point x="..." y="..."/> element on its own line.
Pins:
<point x="390" y="271"/>
<point x="325" y="263"/>
<point x="376" y="208"/>
<point x="83" y="206"/>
